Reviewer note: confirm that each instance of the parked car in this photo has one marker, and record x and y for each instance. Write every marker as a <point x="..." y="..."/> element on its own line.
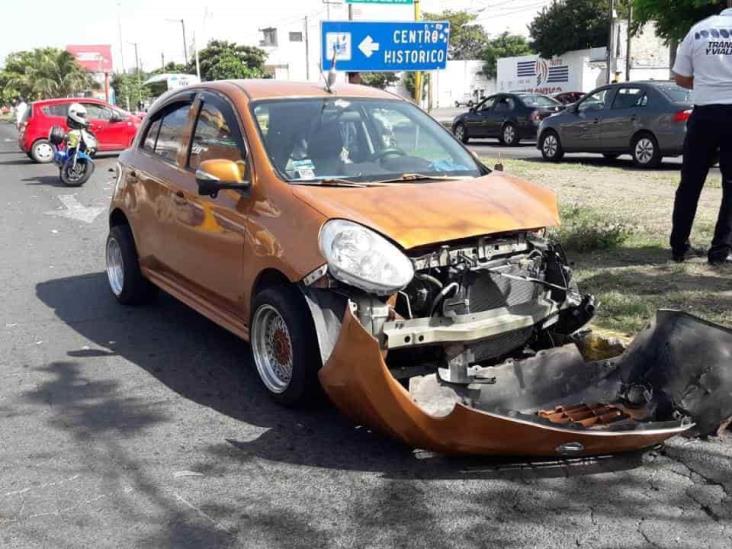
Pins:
<point x="644" y="119"/>
<point x="390" y="269"/>
<point x="114" y="128"/>
<point x="567" y="98"/>
<point x="510" y="117"/>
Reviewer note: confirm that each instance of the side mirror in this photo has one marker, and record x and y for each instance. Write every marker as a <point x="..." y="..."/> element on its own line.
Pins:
<point x="473" y="109"/>
<point x="213" y="176"/>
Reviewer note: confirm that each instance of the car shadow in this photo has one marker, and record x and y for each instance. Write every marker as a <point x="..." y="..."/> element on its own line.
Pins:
<point x="50" y="180"/>
<point x="600" y="162"/>
<point x="203" y="363"/>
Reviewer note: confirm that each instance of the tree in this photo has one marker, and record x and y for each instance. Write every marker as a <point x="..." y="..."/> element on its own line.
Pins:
<point x="222" y="60"/>
<point x="569" y="25"/>
<point x="43" y="73"/>
<point x="381" y="80"/>
<point x="505" y="45"/>
<point x="674" y="18"/>
<point x="468" y="39"/>
<point x="128" y="88"/>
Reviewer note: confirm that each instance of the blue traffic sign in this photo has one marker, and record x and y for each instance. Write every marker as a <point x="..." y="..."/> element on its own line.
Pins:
<point x="363" y="46"/>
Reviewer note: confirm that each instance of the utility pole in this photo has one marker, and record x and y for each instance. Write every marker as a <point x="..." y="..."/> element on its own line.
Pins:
<point x="162" y="60"/>
<point x="137" y="65"/>
<point x="185" y="42"/>
<point x="611" y="43"/>
<point x="307" y="49"/>
<point x="121" y="42"/>
<point x="628" y="64"/>
<point x="418" y="74"/>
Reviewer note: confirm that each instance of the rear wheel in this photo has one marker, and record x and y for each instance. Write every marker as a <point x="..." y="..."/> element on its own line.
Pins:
<point x="125" y="280"/>
<point x="646" y="153"/>
<point x="285" y="346"/>
<point x="461" y="132"/>
<point x="551" y="147"/>
<point x="509" y="135"/>
<point x="42" y="151"/>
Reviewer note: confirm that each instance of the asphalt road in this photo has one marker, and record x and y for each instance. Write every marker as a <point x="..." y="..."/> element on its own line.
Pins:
<point x="147" y="428"/>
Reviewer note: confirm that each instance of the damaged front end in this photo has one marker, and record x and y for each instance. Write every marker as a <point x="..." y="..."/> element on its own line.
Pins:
<point x="469" y="358"/>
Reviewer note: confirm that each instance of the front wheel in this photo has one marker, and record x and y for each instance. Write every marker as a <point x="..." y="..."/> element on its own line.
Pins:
<point x="125" y="279"/>
<point x="646" y="152"/>
<point x="461" y="132"/>
<point x="285" y="346"/>
<point x="509" y="135"/>
<point x="76" y="175"/>
<point x="551" y="147"/>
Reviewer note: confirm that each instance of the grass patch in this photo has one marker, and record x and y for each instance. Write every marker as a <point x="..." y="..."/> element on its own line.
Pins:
<point x="586" y="230"/>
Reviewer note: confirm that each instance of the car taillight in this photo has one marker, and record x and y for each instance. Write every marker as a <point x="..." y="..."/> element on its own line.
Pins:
<point x="682" y="116"/>
<point x="535" y="116"/>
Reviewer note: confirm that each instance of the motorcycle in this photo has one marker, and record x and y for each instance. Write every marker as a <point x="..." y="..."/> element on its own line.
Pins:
<point x="73" y="155"/>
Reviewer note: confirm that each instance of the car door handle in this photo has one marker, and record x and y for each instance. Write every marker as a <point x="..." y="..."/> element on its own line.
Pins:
<point x="180" y="199"/>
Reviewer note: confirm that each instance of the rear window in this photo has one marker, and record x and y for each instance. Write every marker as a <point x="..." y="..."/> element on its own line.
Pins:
<point x="675" y="93"/>
<point x="536" y="100"/>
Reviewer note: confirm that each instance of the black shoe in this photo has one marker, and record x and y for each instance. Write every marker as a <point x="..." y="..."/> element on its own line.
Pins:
<point x="689" y="253"/>
<point x="720" y="261"/>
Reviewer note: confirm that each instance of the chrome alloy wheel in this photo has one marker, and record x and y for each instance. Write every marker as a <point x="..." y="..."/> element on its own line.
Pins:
<point x="550" y="145"/>
<point x="460" y="132"/>
<point x="509" y="134"/>
<point x="644" y="150"/>
<point x="115" y="267"/>
<point x="272" y="348"/>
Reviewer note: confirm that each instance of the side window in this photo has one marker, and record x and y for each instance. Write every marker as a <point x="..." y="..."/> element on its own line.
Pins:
<point x="488" y="104"/>
<point x="213" y="138"/>
<point x="594" y="102"/>
<point x="152" y="136"/>
<point x="627" y="98"/>
<point x="55" y="110"/>
<point x="170" y="136"/>
<point x="97" y="112"/>
<point x="505" y="104"/>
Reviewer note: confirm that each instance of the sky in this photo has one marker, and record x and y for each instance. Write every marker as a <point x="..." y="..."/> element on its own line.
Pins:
<point x="155" y="24"/>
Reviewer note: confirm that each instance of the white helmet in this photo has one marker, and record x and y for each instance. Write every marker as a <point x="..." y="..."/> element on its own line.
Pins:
<point x="76" y="116"/>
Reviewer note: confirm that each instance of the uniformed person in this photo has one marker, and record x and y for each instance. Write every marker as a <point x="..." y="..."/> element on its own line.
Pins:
<point x="704" y="64"/>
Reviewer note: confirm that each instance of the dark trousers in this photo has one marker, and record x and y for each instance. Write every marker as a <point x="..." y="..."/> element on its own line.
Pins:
<point x="709" y="132"/>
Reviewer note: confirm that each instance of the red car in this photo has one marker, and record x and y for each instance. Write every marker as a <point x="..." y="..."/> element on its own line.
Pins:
<point x="115" y="129"/>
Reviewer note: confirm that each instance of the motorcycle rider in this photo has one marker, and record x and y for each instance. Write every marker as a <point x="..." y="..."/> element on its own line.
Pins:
<point x="76" y="120"/>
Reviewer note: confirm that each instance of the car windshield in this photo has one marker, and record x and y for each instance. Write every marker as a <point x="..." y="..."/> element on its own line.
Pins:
<point x="361" y="140"/>
<point x="675" y="93"/>
<point x="536" y="100"/>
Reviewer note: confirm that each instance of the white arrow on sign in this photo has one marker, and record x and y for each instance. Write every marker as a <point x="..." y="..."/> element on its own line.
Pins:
<point x="368" y="46"/>
<point x="75" y="210"/>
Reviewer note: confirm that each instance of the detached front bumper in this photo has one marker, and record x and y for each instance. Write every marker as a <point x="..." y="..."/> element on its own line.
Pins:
<point x="358" y="381"/>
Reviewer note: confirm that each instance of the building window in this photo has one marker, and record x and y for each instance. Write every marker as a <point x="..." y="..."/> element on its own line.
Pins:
<point x="269" y="37"/>
<point x="295" y="37"/>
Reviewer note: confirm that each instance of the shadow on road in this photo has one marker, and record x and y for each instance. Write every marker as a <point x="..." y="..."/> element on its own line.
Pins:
<point x="205" y="364"/>
<point x="49" y="180"/>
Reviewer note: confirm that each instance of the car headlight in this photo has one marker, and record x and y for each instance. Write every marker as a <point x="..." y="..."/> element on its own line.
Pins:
<point x="362" y="258"/>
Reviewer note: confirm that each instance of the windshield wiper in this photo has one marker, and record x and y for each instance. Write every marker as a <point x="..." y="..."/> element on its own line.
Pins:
<point x="333" y="182"/>
<point x="407" y="177"/>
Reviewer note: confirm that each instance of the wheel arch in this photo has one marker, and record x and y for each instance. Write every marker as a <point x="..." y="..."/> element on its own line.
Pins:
<point x="268" y="278"/>
<point x="118" y="217"/>
<point x="637" y="134"/>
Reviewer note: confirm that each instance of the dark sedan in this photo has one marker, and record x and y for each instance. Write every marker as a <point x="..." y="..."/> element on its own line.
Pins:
<point x="644" y="119"/>
<point x="510" y="117"/>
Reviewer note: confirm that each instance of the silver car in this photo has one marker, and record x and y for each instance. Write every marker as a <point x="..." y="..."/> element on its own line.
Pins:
<point x="644" y="119"/>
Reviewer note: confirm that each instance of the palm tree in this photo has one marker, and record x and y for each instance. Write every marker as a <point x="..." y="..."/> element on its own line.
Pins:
<point x="46" y="72"/>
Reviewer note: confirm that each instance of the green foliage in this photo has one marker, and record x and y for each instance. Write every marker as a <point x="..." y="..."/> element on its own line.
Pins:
<point x="410" y="82"/>
<point x="43" y="73"/>
<point x="674" y="18"/>
<point x="569" y="25"/>
<point x="128" y="88"/>
<point x="505" y="45"/>
<point x="468" y="39"/>
<point x="380" y="80"/>
<point x="222" y="60"/>
<point x="586" y="230"/>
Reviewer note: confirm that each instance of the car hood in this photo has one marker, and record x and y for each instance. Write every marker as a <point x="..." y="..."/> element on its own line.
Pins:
<point x="417" y="214"/>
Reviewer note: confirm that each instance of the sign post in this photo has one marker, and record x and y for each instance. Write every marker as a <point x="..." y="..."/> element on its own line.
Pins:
<point x="418" y="76"/>
<point x="360" y="46"/>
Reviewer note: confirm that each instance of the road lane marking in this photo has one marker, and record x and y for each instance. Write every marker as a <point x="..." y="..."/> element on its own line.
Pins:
<point x="76" y="210"/>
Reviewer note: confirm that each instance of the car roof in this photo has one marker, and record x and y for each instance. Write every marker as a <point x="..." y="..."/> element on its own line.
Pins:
<point x="277" y="89"/>
<point x="62" y="100"/>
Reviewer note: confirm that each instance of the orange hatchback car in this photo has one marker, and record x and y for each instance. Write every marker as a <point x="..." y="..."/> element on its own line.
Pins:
<point x="366" y="253"/>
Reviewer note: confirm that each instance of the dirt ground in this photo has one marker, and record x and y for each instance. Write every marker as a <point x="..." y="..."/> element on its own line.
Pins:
<point x="633" y="281"/>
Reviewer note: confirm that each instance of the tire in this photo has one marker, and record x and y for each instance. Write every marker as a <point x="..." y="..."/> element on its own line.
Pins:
<point x="291" y="378"/>
<point x="551" y="147"/>
<point x="461" y="132"/>
<point x="645" y="151"/>
<point x="509" y="135"/>
<point x="125" y="279"/>
<point x="71" y="178"/>
<point x="611" y="156"/>
<point x="42" y="151"/>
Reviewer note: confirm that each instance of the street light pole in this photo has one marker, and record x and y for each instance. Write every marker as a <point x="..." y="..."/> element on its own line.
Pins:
<point x="137" y="66"/>
<point x="418" y="74"/>
<point x="611" y="42"/>
<point x="185" y="42"/>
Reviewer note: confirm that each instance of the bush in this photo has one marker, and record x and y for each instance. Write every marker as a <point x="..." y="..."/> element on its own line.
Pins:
<point x="585" y="230"/>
